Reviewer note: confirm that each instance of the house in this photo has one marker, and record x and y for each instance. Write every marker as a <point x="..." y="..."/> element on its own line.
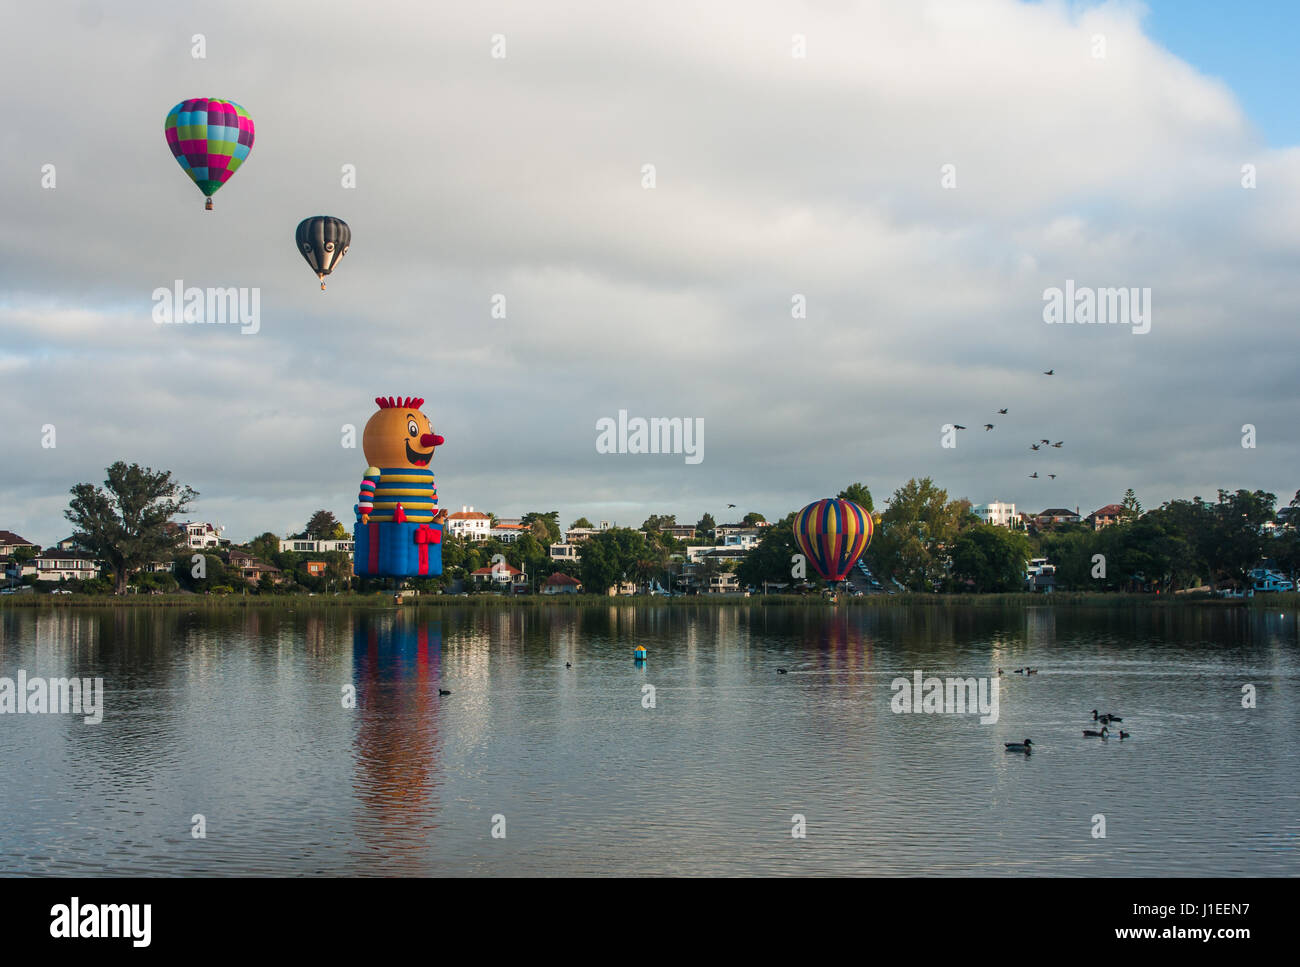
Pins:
<point x="755" y="529"/>
<point x="11" y="542"/>
<point x="315" y="545"/>
<point x="1056" y="515"/>
<point x="564" y="552"/>
<point x="997" y="513"/>
<point x="251" y="569"/>
<point x="469" y="525"/>
<point x="726" y="583"/>
<point x="727" y="553"/>
<point x="316" y="568"/>
<point x="507" y="533"/>
<point x="681" y="532"/>
<point x="576" y="535"/>
<point x="624" y="588"/>
<point x="561" y="583"/>
<point x="500" y="575"/>
<point x="1105" y="516"/>
<point x="201" y="535"/>
<point x="57" y="565"/>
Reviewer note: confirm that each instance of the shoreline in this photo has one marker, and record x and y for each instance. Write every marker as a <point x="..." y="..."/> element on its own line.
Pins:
<point x="385" y="600"/>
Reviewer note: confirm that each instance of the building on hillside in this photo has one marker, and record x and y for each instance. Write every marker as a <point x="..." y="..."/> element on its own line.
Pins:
<point x="200" y="535"/>
<point x="469" y="524"/>
<point x="11" y="542"/>
<point x="316" y="568"/>
<point x="316" y="545"/>
<point x="726" y="553"/>
<point x="507" y="533"/>
<point x="564" y="552"/>
<point x="756" y="529"/>
<point x="56" y="565"/>
<point x="681" y="532"/>
<point x="1105" y="516"/>
<point x="561" y="583"/>
<point x="576" y="535"/>
<point x="1055" y="516"/>
<point x="251" y="569"/>
<point x="997" y="513"/>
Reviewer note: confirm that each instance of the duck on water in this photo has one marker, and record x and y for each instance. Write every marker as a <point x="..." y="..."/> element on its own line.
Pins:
<point x="1024" y="746"/>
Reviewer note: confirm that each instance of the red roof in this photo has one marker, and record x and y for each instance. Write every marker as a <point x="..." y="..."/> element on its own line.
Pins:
<point x="467" y="515"/>
<point x="512" y="571"/>
<point x="1110" y="510"/>
<point x="9" y="537"/>
<point x="558" y="579"/>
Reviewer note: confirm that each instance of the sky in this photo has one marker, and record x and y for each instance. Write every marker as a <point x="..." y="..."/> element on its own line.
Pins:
<point x="1106" y="144"/>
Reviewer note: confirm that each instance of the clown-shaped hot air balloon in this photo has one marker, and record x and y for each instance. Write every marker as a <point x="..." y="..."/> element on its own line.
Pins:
<point x="396" y="533"/>
<point x="832" y="534"/>
<point x="210" y="138"/>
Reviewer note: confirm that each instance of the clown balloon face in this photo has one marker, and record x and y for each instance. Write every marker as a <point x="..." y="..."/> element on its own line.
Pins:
<point x="399" y="435"/>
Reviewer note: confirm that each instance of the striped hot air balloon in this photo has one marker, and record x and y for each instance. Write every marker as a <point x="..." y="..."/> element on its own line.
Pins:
<point x="210" y="138"/>
<point x="323" y="240"/>
<point x="832" y="534"/>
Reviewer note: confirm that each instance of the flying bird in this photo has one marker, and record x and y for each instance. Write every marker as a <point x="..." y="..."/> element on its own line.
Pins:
<point x="958" y="426"/>
<point x="1049" y="372"/>
<point x="987" y="427"/>
<point x="731" y="505"/>
<point x="1058" y="443"/>
<point x="1044" y="441"/>
<point x="1002" y="412"/>
<point x="1052" y="475"/>
<point x="1034" y="475"/>
<point x="1034" y="446"/>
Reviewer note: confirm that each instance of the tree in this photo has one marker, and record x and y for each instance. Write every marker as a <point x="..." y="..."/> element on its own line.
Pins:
<point x="611" y="556"/>
<point x="859" y="494"/>
<point x="582" y="522"/>
<point x="658" y="522"/>
<point x="545" y="526"/>
<point x="915" y="533"/>
<point x="265" y="547"/>
<point x="752" y="518"/>
<point x="771" y="559"/>
<point x="705" y="527"/>
<point x="125" y="524"/>
<point x="322" y="526"/>
<point x="992" y="558"/>
<point x="1132" y="506"/>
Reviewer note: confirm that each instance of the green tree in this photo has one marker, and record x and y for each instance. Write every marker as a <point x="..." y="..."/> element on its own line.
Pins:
<point x="704" y="529"/>
<point x="322" y="526"/>
<point x="915" y="534"/>
<point x="545" y="526"/>
<point x="1132" y="506"/>
<point x="125" y="523"/>
<point x="859" y="494"/>
<point x="610" y="556"/>
<point x="753" y="518"/>
<point x="993" y="558"/>
<point x="582" y="522"/>
<point x="772" y="558"/>
<point x="657" y="522"/>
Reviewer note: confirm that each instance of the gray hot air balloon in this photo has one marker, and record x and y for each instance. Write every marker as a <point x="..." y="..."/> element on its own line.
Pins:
<point x="323" y="240"/>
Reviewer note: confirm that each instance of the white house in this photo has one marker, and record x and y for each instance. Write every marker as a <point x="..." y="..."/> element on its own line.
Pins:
<point x="313" y="545"/>
<point x="507" y="533"/>
<point x="576" y="535"/>
<point x="10" y="542"/>
<point x="728" y="554"/>
<point x="469" y="525"/>
<point x="201" y="534"/>
<point x="56" y="565"/>
<point x="564" y="552"/>
<point x="997" y="513"/>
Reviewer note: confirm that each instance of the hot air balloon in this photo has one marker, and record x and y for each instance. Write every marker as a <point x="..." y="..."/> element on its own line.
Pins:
<point x="210" y="138"/>
<point x="323" y="240"/>
<point x="832" y="534"/>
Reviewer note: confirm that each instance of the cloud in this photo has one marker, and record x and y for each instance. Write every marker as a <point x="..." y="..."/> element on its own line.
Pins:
<point x="775" y="177"/>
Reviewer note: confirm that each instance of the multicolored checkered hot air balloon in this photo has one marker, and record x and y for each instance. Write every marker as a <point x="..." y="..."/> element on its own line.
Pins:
<point x="210" y="138"/>
<point x="832" y="534"/>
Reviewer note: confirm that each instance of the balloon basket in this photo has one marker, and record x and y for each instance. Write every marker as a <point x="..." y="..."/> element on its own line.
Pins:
<point x="207" y="206"/>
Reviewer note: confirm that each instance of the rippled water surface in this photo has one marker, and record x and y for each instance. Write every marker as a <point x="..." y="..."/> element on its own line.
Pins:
<point x="240" y="717"/>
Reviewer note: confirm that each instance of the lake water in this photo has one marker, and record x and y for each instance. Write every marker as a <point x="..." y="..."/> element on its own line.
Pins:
<point x="240" y="717"/>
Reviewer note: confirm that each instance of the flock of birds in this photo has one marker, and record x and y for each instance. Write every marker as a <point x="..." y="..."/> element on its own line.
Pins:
<point x="1033" y="446"/>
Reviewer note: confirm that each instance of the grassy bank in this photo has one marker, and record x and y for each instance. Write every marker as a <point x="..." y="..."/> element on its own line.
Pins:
<point x="295" y="602"/>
